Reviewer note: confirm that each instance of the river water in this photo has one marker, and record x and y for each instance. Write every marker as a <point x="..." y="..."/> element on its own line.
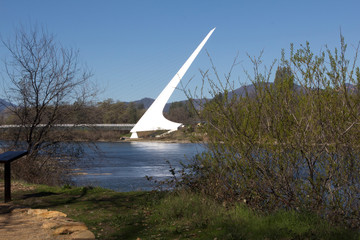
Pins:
<point x="122" y="166"/>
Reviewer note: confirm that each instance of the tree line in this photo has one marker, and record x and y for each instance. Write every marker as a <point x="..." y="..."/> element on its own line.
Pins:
<point x="110" y="111"/>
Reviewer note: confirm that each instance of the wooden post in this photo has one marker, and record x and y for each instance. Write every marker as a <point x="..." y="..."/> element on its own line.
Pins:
<point x="7" y="181"/>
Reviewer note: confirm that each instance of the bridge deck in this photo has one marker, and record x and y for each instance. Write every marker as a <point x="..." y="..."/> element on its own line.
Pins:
<point x="121" y="126"/>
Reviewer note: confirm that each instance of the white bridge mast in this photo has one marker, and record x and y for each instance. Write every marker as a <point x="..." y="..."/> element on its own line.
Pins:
<point x="153" y="119"/>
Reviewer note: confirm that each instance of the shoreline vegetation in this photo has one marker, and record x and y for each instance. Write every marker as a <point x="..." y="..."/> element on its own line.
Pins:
<point x="171" y="215"/>
<point x="187" y="134"/>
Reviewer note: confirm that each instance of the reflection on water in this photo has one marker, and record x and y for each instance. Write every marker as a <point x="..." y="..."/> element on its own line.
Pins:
<point x="123" y="166"/>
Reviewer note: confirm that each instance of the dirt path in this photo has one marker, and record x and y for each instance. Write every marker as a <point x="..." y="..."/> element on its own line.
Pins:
<point x="18" y="223"/>
<point x="25" y="223"/>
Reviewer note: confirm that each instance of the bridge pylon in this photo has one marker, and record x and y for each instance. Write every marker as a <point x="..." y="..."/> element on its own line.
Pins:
<point x="153" y="119"/>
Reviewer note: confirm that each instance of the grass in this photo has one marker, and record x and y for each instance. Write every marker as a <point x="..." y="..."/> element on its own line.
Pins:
<point x="181" y="215"/>
<point x="197" y="217"/>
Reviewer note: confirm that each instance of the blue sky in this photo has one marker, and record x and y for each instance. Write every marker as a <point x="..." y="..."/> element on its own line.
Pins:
<point x="135" y="47"/>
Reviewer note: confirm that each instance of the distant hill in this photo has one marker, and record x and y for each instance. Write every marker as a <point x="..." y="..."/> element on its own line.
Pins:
<point x="4" y="104"/>
<point x="351" y="87"/>
<point x="249" y="89"/>
<point x="146" y="102"/>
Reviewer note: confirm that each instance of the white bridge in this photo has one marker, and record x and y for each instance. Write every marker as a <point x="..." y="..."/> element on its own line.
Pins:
<point x="153" y="119"/>
<point x="121" y="126"/>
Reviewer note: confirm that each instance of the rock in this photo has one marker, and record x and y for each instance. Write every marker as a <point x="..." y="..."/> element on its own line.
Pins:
<point x="53" y="214"/>
<point x="19" y="210"/>
<point x="85" y="234"/>
<point x="70" y="228"/>
<point x="34" y="224"/>
<point x="48" y="225"/>
<point x="36" y="212"/>
<point x="45" y="213"/>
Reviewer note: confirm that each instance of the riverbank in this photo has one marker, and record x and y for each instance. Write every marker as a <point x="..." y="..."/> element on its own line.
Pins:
<point x="157" y="140"/>
<point x="187" y="134"/>
<point x="169" y="215"/>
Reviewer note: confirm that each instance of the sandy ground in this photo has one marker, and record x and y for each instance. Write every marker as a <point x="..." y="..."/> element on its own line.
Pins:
<point x="19" y="223"/>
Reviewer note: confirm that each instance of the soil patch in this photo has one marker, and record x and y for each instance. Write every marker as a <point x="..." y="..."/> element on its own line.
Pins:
<point x="17" y="222"/>
<point x="26" y="223"/>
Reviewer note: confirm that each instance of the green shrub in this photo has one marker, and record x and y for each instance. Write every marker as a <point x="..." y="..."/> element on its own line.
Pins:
<point x="293" y="144"/>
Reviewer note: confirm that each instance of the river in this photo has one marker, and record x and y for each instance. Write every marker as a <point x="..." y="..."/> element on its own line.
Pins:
<point x="122" y="166"/>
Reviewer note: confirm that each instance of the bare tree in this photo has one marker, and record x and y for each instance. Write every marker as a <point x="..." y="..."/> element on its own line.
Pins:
<point x="42" y="77"/>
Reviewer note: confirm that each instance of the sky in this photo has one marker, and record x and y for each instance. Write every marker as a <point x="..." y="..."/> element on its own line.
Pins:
<point x="135" y="47"/>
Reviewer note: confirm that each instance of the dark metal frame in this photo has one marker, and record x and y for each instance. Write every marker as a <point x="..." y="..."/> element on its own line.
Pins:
<point x="7" y="158"/>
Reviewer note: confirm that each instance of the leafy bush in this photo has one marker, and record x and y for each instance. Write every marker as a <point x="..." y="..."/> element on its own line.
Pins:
<point x="291" y="144"/>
